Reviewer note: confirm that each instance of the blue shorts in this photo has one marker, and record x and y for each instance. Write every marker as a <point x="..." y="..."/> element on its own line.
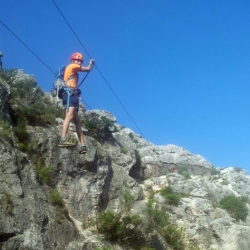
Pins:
<point x="73" y="101"/>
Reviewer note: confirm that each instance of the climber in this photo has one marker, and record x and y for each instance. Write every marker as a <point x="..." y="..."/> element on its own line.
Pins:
<point x="71" y="113"/>
<point x="1" y="63"/>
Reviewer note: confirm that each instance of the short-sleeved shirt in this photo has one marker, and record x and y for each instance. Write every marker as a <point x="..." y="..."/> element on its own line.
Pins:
<point x="70" y="70"/>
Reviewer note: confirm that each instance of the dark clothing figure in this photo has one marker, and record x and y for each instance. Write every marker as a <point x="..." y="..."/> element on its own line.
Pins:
<point x="1" y="63"/>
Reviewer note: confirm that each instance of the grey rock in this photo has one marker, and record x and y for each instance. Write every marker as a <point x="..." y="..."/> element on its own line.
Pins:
<point x="101" y="113"/>
<point x="19" y="75"/>
<point x="96" y="181"/>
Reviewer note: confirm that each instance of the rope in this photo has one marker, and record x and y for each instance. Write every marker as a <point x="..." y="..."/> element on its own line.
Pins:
<point x="28" y="48"/>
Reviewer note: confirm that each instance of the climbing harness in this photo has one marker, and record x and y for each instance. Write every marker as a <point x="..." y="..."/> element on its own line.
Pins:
<point x="70" y="92"/>
<point x="61" y="86"/>
<point x="59" y="82"/>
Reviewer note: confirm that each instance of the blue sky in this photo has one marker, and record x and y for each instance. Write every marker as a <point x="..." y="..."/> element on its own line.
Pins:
<point x="180" y="68"/>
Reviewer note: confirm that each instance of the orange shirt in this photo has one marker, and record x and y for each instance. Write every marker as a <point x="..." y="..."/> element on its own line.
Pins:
<point x="70" y="70"/>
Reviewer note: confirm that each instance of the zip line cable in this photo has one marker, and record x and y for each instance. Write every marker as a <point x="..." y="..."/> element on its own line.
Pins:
<point x="97" y="68"/>
<point x="71" y="28"/>
<point x="28" y="48"/>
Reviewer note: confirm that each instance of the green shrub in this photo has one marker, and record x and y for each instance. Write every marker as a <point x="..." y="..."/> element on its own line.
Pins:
<point x="29" y="103"/>
<point x="124" y="150"/>
<point x="87" y="222"/>
<point x="173" y="236"/>
<point x="8" y="198"/>
<point x="72" y="139"/>
<point x="44" y="173"/>
<point x="157" y="217"/>
<point x="128" y="200"/>
<point x="101" y="153"/>
<point x="171" y="197"/>
<point x="187" y="175"/>
<point x="107" y="121"/>
<point x="61" y="214"/>
<point x="114" y="227"/>
<point x="20" y="129"/>
<point x="57" y="201"/>
<point x="235" y="207"/>
<point x="214" y="171"/>
<point x="138" y="158"/>
<point x="2" y="75"/>
<point x="38" y="113"/>
<point x="7" y="74"/>
<point x="56" y="198"/>
<point x="103" y="248"/>
<point x="21" y="146"/>
<point x="131" y="136"/>
<point x="244" y="199"/>
<point x="5" y="130"/>
<point x="22" y="137"/>
<point x="183" y="170"/>
<point x="108" y="223"/>
<point x="10" y="211"/>
<point x="27" y="91"/>
<point x="98" y="128"/>
<point x="90" y="125"/>
<point x="10" y="204"/>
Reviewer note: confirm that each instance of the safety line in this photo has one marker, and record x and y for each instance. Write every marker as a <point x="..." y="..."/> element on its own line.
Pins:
<point x="86" y="104"/>
<point x="97" y="68"/>
<point x="27" y="47"/>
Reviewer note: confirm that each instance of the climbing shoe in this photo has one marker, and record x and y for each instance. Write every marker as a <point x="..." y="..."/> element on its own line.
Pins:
<point x="65" y="144"/>
<point x="83" y="150"/>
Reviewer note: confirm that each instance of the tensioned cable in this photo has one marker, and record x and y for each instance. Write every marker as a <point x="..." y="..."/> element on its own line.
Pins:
<point x="98" y="68"/>
<point x="27" y="47"/>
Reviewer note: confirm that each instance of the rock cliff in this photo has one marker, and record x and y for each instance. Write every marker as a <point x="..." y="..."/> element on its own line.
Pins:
<point x="34" y="176"/>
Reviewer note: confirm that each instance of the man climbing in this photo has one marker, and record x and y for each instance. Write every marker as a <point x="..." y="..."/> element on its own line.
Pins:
<point x="71" y="104"/>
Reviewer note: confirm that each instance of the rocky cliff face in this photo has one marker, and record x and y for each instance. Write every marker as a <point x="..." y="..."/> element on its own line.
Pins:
<point x="117" y="160"/>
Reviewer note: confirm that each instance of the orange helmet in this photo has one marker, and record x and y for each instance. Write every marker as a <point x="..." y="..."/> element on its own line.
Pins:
<point x="76" y="56"/>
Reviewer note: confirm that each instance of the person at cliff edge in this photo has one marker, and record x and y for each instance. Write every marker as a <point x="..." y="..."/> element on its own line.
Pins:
<point x="71" y="97"/>
<point x="1" y="63"/>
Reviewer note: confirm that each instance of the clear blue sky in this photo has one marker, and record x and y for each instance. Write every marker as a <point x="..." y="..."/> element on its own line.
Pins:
<point x="180" y="68"/>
